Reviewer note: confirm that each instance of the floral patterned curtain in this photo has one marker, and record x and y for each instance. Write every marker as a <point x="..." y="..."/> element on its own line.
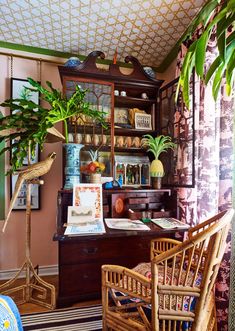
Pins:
<point x="213" y="172"/>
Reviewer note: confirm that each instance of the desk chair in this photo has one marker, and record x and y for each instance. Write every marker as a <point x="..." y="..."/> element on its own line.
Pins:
<point x="176" y="293"/>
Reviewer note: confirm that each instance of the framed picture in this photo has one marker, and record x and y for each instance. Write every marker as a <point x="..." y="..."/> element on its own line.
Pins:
<point x="35" y="157"/>
<point x="20" y="203"/>
<point x="119" y="207"/>
<point x="89" y="197"/>
<point x="121" y="116"/>
<point x="19" y="90"/>
<point x="143" y="121"/>
<point x="80" y="214"/>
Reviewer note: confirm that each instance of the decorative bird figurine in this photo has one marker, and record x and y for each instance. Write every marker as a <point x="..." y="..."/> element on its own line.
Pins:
<point x="29" y="173"/>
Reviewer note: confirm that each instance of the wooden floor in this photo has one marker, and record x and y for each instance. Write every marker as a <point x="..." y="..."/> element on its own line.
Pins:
<point x="28" y="308"/>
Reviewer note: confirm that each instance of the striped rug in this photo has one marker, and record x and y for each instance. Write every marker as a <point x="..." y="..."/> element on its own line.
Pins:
<point x="76" y="319"/>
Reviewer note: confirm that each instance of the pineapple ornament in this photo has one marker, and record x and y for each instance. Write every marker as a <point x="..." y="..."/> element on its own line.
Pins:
<point x="157" y="146"/>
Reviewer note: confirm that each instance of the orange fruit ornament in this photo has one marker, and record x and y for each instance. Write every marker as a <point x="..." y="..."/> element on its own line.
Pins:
<point x="102" y="166"/>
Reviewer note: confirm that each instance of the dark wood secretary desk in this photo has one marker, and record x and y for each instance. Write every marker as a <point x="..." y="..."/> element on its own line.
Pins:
<point x="81" y="257"/>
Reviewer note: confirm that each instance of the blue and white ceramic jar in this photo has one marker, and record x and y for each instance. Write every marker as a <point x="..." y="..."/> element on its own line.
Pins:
<point x="150" y="72"/>
<point x="72" y="165"/>
<point x="72" y="62"/>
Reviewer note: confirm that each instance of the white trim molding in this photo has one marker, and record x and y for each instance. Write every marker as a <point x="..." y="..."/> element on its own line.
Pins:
<point x="42" y="271"/>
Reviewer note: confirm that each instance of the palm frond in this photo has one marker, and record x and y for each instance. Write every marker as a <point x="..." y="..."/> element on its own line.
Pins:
<point x="157" y="145"/>
<point x="219" y="15"/>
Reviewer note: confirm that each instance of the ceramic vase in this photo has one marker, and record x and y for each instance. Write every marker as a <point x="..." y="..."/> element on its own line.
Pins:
<point x="95" y="178"/>
<point x="72" y="165"/>
<point x="72" y="62"/>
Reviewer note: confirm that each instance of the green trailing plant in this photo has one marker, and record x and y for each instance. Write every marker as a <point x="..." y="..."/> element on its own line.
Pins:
<point x="28" y="123"/>
<point x="157" y="146"/>
<point x="218" y="16"/>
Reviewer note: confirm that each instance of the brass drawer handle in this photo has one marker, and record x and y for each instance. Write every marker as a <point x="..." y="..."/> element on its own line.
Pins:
<point x="91" y="250"/>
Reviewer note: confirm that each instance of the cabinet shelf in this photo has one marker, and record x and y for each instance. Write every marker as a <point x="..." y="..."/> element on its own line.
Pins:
<point x="133" y="132"/>
<point x="129" y="149"/>
<point x="98" y="129"/>
<point x="131" y="102"/>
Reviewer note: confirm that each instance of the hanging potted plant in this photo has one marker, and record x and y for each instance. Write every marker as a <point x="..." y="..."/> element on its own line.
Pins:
<point x="157" y="146"/>
<point x="29" y="123"/>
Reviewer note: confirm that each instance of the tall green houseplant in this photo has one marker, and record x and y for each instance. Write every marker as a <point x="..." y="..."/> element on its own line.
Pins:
<point x="218" y="16"/>
<point x="29" y="123"/>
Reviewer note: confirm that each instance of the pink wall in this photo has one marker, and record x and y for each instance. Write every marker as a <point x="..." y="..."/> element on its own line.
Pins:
<point x="169" y="74"/>
<point x="12" y="242"/>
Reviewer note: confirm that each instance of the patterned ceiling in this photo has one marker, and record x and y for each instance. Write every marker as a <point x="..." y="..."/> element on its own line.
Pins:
<point x="145" y="29"/>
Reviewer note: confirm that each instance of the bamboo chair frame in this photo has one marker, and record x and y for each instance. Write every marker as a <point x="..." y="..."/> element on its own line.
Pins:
<point x="174" y="286"/>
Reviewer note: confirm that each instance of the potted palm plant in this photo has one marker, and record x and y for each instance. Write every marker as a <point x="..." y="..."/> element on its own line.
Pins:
<point x="157" y="146"/>
<point x="29" y="123"/>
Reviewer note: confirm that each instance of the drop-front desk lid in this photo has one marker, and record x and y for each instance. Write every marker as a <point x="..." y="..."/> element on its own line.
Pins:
<point x="112" y="233"/>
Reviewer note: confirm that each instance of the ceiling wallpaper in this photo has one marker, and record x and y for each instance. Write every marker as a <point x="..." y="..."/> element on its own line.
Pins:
<point x="147" y="30"/>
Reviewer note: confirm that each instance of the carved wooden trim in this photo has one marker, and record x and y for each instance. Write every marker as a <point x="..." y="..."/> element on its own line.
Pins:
<point x="113" y="73"/>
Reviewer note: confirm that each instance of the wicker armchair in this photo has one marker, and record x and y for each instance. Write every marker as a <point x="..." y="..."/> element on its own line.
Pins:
<point x="178" y="295"/>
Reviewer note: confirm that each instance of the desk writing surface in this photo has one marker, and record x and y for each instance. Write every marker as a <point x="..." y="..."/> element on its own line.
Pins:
<point x="112" y="233"/>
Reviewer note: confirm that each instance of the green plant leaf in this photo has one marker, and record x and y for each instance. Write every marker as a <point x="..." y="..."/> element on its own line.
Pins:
<point x="29" y="122"/>
<point x="223" y="24"/>
<point x="186" y="66"/>
<point x="208" y="12"/>
<point x="216" y="19"/>
<point x="221" y="39"/>
<point x="215" y="14"/>
<point x="212" y="68"/>
<point x="231" y="5"/>
<point x="200" y="53"/>
<point x="203" y="17"/>
<point x="217" y="80"/>
<point x="230" y="73"/>
<point x="230" y="38"/>
<point x="157" y="145"/>
<point x="186" y="82"/>
<point x="187" y="59"/>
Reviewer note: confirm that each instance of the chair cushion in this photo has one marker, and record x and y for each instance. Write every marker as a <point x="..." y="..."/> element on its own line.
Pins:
<point x="145" y="270"/>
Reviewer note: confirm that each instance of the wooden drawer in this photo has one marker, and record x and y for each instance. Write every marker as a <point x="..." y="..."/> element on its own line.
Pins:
<point x="85" y="278"/>
<point x="92" y="250"/>
<point x="79" y="279"/>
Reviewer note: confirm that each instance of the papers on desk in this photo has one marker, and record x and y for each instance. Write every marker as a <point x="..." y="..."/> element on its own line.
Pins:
<point x="169" y="223"/>
<point x="86" y="228"/>
<point x="125" y="224"/>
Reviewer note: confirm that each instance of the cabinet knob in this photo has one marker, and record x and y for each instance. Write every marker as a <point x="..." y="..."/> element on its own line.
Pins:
<point x="90" y="250"/>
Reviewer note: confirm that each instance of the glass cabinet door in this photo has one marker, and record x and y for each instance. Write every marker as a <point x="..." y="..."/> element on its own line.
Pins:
<point x="98" y="145"/>
<point x="178" y="122"/>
